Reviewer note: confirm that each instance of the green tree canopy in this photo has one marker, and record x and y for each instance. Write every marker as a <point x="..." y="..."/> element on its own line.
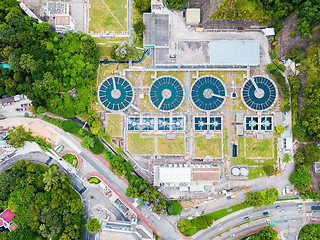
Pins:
<point x="93" y="225"/>
<point x="19" y="136"/>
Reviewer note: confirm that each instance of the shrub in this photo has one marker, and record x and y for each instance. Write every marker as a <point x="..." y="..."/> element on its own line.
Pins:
<point x="292" y="34"/>
<point x="174" y="208"/>
<point x="97" y="147"/>
<point x="139" y="28"/>
<point x="94" y="180"/>
<point x="269" y="169"/>
<point x="286" y="158"/>
<point x="121" y="52"/>
<point x="142" y="5"/>
<point x="279" y="65"/>
<point x="280" y="129"/>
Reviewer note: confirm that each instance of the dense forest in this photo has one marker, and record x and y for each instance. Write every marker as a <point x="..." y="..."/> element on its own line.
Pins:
<point x="309" y="12"/>
<point x="45" y="204"/>
<point x="45" y="65"/>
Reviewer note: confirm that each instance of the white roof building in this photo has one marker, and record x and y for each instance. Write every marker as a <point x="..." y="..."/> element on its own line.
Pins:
<point x="186" y="177"/>
<point x="193" y="16"/>
<point x="269" y="32"/>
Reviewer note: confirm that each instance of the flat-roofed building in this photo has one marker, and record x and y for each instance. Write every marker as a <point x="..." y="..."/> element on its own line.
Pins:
<point x="64" y="23"/>
<point x="206" y="174"/>
<point x="193" y="16"/>
<point x="235" y="52"/>
<point x="239" y="118"/>
<point x="186" y="177"/>
<point x="239" y="130"/>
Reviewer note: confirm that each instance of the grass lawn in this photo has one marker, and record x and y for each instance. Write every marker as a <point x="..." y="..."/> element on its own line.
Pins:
<point x="72" y="159"/>
<point x="177" y="74"/>
<point x="203" y="147"/>
<point x="240" y="9"/>
<point x="147" y="80"/>
<point x="108" y="15"/>
<point x="138" y="145"/>
<point x="256" y="172"/>
<point x="225" y="146"/>
<point x="171" y="146"/>
<point x="145" y="104"/>
<point x="213" y="215"/>
<point x="237" y="76"/>
<point x="240" y="104"/>
<point x="259" y="148"/>
<point x="94" y="180"/>
<point x="114" y="125"/>
<point x="226" y="211"/>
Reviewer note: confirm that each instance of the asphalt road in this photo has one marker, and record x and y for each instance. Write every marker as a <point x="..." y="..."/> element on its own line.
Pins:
<point x="289" y="220"/>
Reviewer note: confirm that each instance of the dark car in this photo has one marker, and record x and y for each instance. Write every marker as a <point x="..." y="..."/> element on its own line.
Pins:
<point x="278" y="207"/>
<point x="265" y="213"/>
<point x="246" y="218"/>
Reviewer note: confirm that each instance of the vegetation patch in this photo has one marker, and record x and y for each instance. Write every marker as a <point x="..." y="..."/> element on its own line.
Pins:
<point x="114" y="125"/>
<point x="44" y="202"/>
<point x="174" y="208"/>
<point x="203" y="147"/>
<point x="259" y="148"/>
<point x="94" y="180"/>
<point x="139" y="145"/>
<point x="310" y="231"/>
<point x="301" y="178"/>
<point x="175" y="146"/>
<point x="241" y="9"/>
<point x="72" y="159"/>
<point x="108" y="16"/>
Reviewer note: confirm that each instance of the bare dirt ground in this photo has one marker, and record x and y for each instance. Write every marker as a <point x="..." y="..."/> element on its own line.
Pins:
<point x="303" y="80"/>
<point x="315" y="181"/>
<point x="287" y="42"/>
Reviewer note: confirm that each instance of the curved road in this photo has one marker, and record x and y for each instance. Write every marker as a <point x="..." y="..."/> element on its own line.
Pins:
<point x="289" y="219"/>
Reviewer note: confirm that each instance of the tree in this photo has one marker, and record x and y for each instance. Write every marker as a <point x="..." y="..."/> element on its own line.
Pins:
<point x="142" y="5"/>
<point x="96" y="127"/>
<point x="310" y="232"/>
<point x="121" y="52"/>
<point x="280" y="129"/>
<point x="18" y="136"/>
<point x="93" y="225"/>
<point x="176" y="4"/>
<point x="267" y="233"/>
<point x="139" y="29"/>
<point x="287" y="158"/>
<point x="269" y="169"/>
<point x="87" y="142"/>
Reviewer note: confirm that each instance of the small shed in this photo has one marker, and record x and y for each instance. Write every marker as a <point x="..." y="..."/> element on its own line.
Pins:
<point x="269" y="32"/>
<point x="193" y="16"/>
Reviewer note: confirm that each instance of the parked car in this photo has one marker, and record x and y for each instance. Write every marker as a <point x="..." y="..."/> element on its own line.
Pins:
<point x="284" y="216"/>
<point x="278" y="207"/>
<point x="246" y="218"/>
<point x="265" y="213"/>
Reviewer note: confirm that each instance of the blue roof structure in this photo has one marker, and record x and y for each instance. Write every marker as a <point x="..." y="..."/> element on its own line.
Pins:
<point x="166" y="93"/>
<point x="133" y="123"/>
<point x="164" y="124"/>
<point x="177" y="124"/>
<point x="208" y="93"/>
<point x="147" y="124"/>
<point x="235" y="52"/>
<point x="200" y="123"/>
<point x="215" y="123"/>
<point x="115" y="93"/>
<point x="259" y="93"/>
